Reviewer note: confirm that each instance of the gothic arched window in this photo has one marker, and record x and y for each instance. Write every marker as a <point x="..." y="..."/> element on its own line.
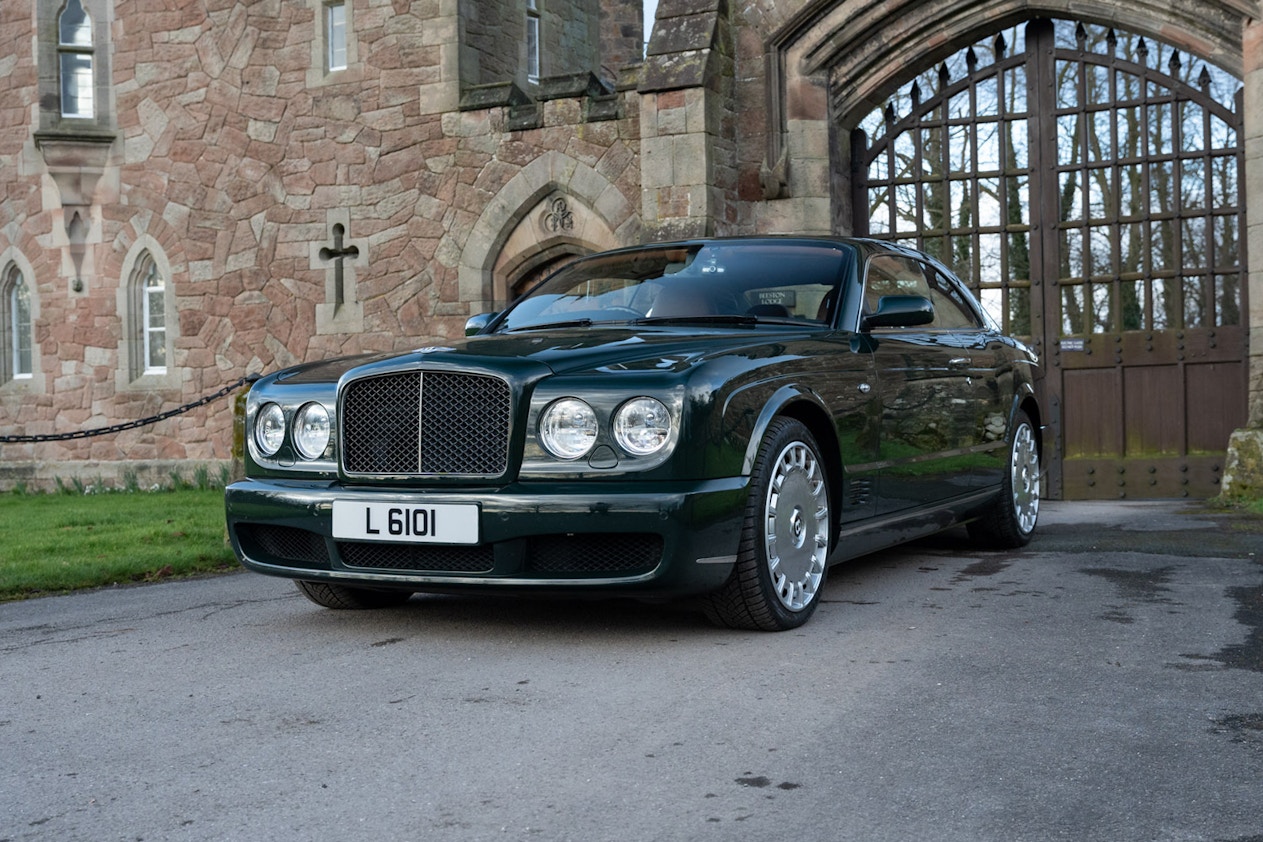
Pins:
<point x="149" y="317"/>
<point x="18" y="341"/>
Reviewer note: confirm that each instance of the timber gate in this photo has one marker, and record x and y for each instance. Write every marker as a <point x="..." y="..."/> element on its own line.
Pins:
<point x="1088" y="186"/>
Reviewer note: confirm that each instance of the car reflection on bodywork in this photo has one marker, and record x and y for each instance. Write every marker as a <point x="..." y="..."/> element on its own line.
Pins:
<point x="714" y="419"/>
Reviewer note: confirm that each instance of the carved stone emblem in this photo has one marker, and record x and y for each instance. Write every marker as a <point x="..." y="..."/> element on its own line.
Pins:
<point x="556" y="216"/>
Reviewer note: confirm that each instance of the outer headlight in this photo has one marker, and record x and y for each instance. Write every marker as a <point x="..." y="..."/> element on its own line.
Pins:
<point x="311" y="431"/>
<point x="642" y="426"/>
<point x="567" y="428"/>
<point x="269" y="429"/>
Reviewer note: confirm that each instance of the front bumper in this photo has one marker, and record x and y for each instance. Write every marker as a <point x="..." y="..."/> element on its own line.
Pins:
<point x="634" y="539"/>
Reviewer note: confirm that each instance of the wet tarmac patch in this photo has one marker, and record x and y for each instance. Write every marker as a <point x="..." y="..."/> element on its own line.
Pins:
<point x="1137" y="585"/>
<point x="1244" y="728"/>
<point x="985" y="567"/>
<point x="762" y="782"/>
<point x="1247" y="655"/>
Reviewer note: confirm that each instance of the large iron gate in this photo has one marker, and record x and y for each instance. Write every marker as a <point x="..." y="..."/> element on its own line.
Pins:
<point x="1088" y="186"/>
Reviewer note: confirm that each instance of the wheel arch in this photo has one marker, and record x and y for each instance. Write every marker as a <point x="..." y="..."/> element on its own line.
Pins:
<point x="805" y="406"/>
<point x="1024" y="401"/>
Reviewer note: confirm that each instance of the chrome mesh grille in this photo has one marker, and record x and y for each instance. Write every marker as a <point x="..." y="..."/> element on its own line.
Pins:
<point x="594" y="553"/>
<point x="426" y="423"/>
<point x="283" y="543"/>
<point x="418" y="557"/>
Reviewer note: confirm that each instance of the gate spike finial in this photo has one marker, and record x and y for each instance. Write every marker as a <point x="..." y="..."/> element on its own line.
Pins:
<point x="971" y="59"/>
<point x="1203" y="81"/>
<point x="1142" y="50"/>
<point x="1000" y="46"/>
<point x="915" y="93"/>
<point x="1080" y="35"/>
<point x="944" y="76"/>
<point x="1174" y="63"/>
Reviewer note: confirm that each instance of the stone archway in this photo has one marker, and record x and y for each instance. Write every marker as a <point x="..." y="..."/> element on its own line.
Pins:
<point x="558" y="228"/>
<point x="512" y="230"/>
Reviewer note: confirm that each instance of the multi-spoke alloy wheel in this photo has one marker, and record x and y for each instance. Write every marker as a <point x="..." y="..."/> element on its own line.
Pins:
<point x="1024" y="477"/>
<point x="1011" y="519"/>
<point x="796" y="526"/>
<point x="783" y="557"/>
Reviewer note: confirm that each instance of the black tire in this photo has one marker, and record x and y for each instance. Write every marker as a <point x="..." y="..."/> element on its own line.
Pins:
<point x="1010" y="522"/>
<point x="783" y="555"/>
<point x="342" y="597"/>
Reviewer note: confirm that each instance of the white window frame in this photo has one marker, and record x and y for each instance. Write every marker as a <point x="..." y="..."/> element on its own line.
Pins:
<point x="18" y="326"/>
<point x="75" y="60"/>
<point x="153" y="316"/>
<point x="139" y="298"/>
<point x="335" y="15"/>
<point x="533" y="34"/>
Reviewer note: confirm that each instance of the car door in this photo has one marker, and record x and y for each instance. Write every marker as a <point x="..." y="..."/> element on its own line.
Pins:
<point x="986" y="422"/>
<point x="929" y="402"/>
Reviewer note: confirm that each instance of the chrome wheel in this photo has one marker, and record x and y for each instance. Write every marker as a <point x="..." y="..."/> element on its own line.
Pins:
<point x="1024" y="478"/>
<point x="782" y="559"/>
<point x="796" y="526"/>
<point x="1009" y="521"/>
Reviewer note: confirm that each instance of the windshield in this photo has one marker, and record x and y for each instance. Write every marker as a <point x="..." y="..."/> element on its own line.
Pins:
<point x="724" y="282"/>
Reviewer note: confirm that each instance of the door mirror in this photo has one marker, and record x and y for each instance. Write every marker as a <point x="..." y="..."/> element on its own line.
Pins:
<point x="900" y="311"/>
<point x="476" y="324"/>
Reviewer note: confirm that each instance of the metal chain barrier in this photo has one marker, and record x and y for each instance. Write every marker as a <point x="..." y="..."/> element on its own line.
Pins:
<point x="131" y="425"/>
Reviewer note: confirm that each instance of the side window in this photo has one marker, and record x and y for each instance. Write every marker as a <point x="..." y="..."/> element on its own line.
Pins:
<point x="892" y="274"/>
<point x="74" y="56"/>
<point x="17" y="326"/>
<point x="951" y="308"/>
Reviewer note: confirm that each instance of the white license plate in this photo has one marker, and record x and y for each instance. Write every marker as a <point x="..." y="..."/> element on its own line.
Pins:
<point x="428" y="523"/>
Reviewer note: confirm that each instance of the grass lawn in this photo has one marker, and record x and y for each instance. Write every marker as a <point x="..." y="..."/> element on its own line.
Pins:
<point x="50" y="543"/>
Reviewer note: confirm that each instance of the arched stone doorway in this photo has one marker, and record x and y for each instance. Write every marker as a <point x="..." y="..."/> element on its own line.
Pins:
<point x="558" y="230"/>
<point x="1088" y="184"/>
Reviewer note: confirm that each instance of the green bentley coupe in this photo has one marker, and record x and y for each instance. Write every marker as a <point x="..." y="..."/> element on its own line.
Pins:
<point x="719" y="419"/>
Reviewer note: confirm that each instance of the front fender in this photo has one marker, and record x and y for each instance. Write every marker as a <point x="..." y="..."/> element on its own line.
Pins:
<point x="772" y="407"/>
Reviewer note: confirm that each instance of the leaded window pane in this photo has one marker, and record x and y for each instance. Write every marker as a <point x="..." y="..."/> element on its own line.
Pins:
<point x="76" y="85"/>
<point x="74" y="26"/>
<point x="20" y="350"/>
<point x="336" y="35"/>
<point x="153" y="326"/>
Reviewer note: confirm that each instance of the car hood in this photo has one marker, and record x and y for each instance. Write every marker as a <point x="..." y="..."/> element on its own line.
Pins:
<point x="562" y="351"/>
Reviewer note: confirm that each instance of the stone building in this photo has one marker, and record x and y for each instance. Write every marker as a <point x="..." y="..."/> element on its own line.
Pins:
<point x="193" y="191"/>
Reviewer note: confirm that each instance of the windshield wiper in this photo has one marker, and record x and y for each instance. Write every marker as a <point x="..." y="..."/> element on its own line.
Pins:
<point x="549" y="325"/>
<point x="711" y="319"/>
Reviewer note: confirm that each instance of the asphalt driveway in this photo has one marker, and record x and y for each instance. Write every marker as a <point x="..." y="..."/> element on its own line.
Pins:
<point x="1106" y="683"/>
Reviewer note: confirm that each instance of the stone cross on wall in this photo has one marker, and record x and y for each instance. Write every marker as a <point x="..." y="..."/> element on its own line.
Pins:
<point x="338" y="254"/>
<point x="339" y="257"/>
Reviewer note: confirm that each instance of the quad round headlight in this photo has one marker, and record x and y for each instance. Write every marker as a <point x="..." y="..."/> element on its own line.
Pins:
<point x="311" y="431"/>
<point x="642" y="426"/>
<point x="567" y="428"/>
<point x="269" y="429"/>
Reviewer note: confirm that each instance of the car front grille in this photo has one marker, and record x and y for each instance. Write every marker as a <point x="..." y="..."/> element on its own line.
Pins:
<point x="594" y="553"/>
<point x="426" y="423"/>
<point x="283" y="544"/>
<point x="417" y="557"/>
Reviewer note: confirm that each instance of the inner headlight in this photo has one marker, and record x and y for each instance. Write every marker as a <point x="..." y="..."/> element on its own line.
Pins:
<point x="567" y="429"/>
<point x="311" y="431"/>
<point x="269" y="429"/>
<point x="642" y="426"/>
